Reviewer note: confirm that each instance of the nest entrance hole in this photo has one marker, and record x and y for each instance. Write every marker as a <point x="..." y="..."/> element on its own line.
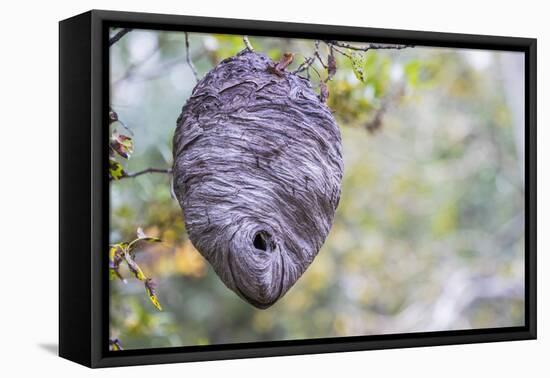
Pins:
<point x="263" y="241"/>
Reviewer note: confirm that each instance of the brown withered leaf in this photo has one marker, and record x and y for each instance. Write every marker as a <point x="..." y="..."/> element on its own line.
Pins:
<point x="134" y="267"/>
<point x="282" y="64"/>
<point x="113" y="116"/>
<point x="151" y="288"/>
<point x="331" y="66"/>
<point x="323" y="92"/>
<point x="122" y="144"/>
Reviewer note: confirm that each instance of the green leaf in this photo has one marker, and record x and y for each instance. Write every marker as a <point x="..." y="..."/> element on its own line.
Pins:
<point x="116" y="171"/>
<point x="358" y="65"/>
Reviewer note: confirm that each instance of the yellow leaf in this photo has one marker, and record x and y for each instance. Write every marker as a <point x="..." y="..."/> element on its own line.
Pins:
<point x="114" y="261"/>
<point x="112" y="252"/>
<point x="113" y="249"/>
<point x="155" y="301"/>
<point x="134" y="267"/>
<point x="114" y="344"/>
<point x="116" y="171"/>
<point x="150" y="286"/>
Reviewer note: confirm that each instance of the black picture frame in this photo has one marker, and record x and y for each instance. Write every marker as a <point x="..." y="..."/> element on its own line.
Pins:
<point x="83" y="195"/>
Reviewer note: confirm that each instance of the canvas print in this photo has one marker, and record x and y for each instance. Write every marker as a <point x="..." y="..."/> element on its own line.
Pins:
<point x="269" y="189"/>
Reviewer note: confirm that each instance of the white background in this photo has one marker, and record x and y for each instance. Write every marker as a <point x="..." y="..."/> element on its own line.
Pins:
<point x="29" y="186"/>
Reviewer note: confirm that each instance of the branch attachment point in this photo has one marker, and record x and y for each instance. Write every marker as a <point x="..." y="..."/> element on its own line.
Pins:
<point x="247" y="43"/>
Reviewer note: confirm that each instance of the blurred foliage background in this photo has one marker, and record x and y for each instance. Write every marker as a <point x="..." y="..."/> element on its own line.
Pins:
<point x="429" y="232"/>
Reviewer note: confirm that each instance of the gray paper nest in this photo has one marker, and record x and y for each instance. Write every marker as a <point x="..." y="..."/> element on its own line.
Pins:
<point x="257" y="172"/>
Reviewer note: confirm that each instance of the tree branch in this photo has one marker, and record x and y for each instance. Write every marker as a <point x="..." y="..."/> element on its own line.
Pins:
<point x="319" y="55"/>
<point x="341" y="52"/>
<point x="114" y="39"/>
<point x="167" y="171"/>
<point x="370" y="46"/>
<point x="188" y="58"/>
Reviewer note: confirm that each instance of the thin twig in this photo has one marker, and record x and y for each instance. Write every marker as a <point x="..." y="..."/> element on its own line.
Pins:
<point x="341" y="52"/>
<point x="315" y="70"/>
<point x="247" y="43"/>
<point x="319" y="55"/>
<point x="306" y="64"/>
<point x="188" y="58"/>
<point x="118" y="36"/>
<point x="370" y="46"/>
<point x="167" y="171"/>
